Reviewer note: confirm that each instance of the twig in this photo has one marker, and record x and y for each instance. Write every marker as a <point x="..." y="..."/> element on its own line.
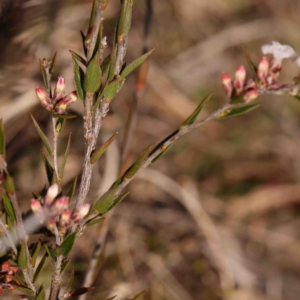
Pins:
<point x="55" y="148"/>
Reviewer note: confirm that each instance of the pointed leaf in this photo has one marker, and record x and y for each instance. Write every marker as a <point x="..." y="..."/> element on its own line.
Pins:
<point x="64" y="265"/>
<point x="94" y="222"/>
<point x="52" y="65"/>
<point x="79" y="291"/>
<point x="2" y="139"/>
<point x="100" y="151"/>
<point x="105" y="64"/>
<point x="78" y="57"/>
<point x="22" y="289"/>
<point x="35" y="252"/>
<point x="63" y="163"/>
<point x="138" y="296"/>
<point x="78" y="77"/>
<point x="250" y="63"/>
<point x="9" y="209"/>
<point x="49" y="169"/>
<point x="124" y="20"/>
<point x="68" y="244"/>
<point x="44" y="75"/>
<point x="40" y="266"/>
<point x="59" y="125"/>
<point x="236" y="111"/>
<point x="50" y="253"/>
<point x="9" y="184"/>
<point x="71" y="191"/>
<point x="112" y="89"/>
<point x="42" y="136"/>
<point x="41" y="294"/>
<point x="192" y="118"/>
<point x="130" y="68"/>
<point x="22" y="259"/>
<point x="138" y="163"/>
<point x="109" y="201"/>
<point x="92" y="79"/>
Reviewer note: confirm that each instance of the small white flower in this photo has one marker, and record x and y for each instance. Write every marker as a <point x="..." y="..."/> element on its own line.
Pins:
<point x="281" y="52"/>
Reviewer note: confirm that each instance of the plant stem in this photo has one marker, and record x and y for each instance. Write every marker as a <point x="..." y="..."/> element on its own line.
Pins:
<point x="55" y="148"/>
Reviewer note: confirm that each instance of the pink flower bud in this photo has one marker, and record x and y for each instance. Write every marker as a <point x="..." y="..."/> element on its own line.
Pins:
<point x="51" y="224"/>
<point x="51" y="194"/>
<point x="81" y="213"/>
<point x="14" y="269"/>
<point x="227" y="84"/>
<point x="7" y="278"/>
<point x="250" y="84"/>
<point x="36" y="206"/>
<point x="263" y="69"/>
<point x="60" y="88"/>
<point x="240" y="79"/>
<point x="70" y="98"/>
<point x="275" y="68"/>
<point x="44" y="98"/>
<point x="250" y="96"/>
<point x="5" y="266"/>
<point x="61" y="204"/>
<point x="65" y="219"/>
<point x="61" y="105"/>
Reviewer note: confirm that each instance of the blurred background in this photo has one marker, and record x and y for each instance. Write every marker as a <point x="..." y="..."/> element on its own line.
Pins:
<point x="218" y="216"/>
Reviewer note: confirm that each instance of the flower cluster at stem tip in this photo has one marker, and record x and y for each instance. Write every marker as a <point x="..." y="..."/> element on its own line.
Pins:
<point x="265" y="79"/>
<point x="58" y="102"/>
<point x="57" y="209"/>
<point x="6" y="276"/>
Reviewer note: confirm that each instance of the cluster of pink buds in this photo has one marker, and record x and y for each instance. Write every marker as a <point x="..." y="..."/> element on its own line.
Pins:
<point x="58" y="102"/>
<point x="266" y="76"/>
<point x="57" y="210"/>
<point x="6" y="275"/>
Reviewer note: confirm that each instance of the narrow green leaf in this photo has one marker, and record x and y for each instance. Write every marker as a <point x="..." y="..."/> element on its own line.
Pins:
<point x="112" y="89"/>
<point x="92" y="79"/>
<point x="52" y="65"/>
<point x="22" y="259"/>
<point x="192" y="118"/>
<point x="138" y="296"/>
<point x="94" y="222"/>
<point x="78" y="77"/>
<point x="40" y="265"/>
<point x="64" y="265"/>
<point x="63" y="163"/>
<point x="22" y="289"/>
<point x="78" y="57"/>
<point x="83" y="42"/>
<point x="130" y="68"/>
<point x="35" y="252"/>
<point x="2" y="140"/>
<point x="44" y="75"/>
<point x="105" y="64"/>
<point x="49" y="169"/>
<point x="9" y="184"/>
<point x="42" y="136"/>
<point x="124" y="20"/>
<point x="100" y="151"/>
<point x="109" y="201"/>
<point x="112" y="66"/>
<point x="50" y="253"/>
<point x="138" y="163"/>
<point x="250" y="63"/>
<point x="71" y="191"/>
<point x="160" y="154"/>
<point x="41" y="294"/>
<point x="59" y="125"/>
<point x="9" y="209"/>
<point x="68" y="244"/>
<point x="64" y="116"/>
<point x="237" y="111"/>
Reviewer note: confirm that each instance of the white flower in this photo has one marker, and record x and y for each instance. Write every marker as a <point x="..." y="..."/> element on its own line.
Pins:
<point x="281" y="52"/>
